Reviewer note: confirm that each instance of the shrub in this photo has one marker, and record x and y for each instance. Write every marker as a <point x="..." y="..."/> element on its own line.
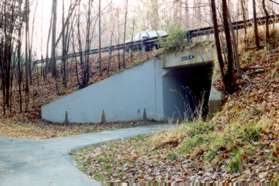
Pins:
<point x="175" y="40"/>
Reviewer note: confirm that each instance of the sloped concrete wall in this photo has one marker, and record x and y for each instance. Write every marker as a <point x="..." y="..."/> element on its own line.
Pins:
<point x="123" y="97"/>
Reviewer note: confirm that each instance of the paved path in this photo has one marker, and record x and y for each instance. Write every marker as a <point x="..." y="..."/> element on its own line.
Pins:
<point x="48" y="163"/>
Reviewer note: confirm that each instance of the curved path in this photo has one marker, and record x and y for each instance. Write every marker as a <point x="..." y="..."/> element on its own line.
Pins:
<point x="48" y="163"/>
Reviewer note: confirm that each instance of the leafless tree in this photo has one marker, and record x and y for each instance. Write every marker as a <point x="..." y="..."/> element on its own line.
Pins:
<point x="125" y="34"/>
<point x="256" y="30"/>
<point x="27" y="54"/>
<point x="100" y="37"/>
<point x="244" y="12"/>
<point x="53" y="40"/>
<point x="266" y="21"/>
<point x="12" y="16"/>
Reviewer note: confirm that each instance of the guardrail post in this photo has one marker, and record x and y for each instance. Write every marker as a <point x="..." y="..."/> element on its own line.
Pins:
<point x="142" y="47"/>
<point x="189" y="37"/>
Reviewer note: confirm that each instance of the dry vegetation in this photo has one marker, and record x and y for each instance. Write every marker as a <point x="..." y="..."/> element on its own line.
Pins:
<point x="38" y="129"/>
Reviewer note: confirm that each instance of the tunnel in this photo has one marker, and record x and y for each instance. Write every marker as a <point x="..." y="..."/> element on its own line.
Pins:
<point x="186" y="91"/>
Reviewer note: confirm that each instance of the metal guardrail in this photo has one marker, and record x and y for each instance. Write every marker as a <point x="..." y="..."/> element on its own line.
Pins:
<point x="154" y="41"/>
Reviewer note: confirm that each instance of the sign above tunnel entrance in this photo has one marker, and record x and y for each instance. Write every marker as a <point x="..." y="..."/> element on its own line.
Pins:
<point x="197" y="53"/>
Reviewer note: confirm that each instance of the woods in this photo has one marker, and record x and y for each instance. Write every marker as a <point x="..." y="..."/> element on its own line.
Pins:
<point x="13" y="15"/>
<point x="198" y="78"/>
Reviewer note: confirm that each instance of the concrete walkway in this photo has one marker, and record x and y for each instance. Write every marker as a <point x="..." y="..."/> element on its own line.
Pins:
<point x="48" y="163"/>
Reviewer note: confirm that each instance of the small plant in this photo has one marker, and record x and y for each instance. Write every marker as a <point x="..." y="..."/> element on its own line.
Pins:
<point x="175" y="40"/>
<point x="190" y="143"/>
<point x="172" y="156"/>
<point x="249" y="132"/>
<point x="235" y="161"/>
<point x="219" y="143"/>
<point x="247" y="57"/>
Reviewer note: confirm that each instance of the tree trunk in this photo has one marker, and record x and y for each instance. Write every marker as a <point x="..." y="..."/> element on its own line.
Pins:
<point x="53" y="44"/>
<point x="256" y="31"/>
<point x="155" y="19"/>
<point x="266" y="21"/>
<point x="229" y="79"/>
<point x="244" y="18"/>
<point x="217" y="38"/>
<point x="19" y="71"/>
<point x="100" y="39"/>
<point x="125" y="31"/>
<point x="26" y="56"/>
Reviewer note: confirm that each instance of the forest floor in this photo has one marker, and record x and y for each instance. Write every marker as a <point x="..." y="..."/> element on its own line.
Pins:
<point x="241" y="142"/>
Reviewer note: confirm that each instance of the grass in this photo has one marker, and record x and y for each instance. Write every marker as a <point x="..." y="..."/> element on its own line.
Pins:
<point x="235" y="161"/>
<point x="214" y="146"/>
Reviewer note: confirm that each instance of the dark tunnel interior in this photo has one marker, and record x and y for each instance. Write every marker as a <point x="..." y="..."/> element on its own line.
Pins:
<point x="186" y="91"/>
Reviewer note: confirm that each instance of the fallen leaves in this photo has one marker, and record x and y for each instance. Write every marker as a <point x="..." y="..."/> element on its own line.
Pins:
<point x="154" y="158"/>
<point x="23" y="128"/>
<point x="275" y="149"/>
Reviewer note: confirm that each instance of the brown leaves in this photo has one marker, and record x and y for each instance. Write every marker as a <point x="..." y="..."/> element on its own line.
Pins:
<point x="275" y="149"/>
<point x="23" y="126"/>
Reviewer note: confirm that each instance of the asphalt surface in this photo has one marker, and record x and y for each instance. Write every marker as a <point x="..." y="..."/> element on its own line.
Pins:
<point x="48" y="162"/>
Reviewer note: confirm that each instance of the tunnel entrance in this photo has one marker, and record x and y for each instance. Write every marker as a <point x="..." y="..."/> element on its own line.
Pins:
<point x="186" y="91"/>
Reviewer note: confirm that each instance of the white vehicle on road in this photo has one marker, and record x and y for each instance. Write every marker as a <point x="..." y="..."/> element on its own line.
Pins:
<point x="148" y="34"/>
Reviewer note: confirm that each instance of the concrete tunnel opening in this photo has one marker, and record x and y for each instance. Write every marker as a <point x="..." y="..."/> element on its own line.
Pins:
<point x="186" y="91"/>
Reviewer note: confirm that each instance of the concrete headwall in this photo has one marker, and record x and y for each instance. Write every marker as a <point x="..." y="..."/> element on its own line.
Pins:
<point x="197" y="53"/>
<point x="170" y="86"/>
<point x="122" y="97"/>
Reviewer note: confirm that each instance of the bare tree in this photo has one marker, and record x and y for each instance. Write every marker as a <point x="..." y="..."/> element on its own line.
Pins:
<point x="244" y="12"/>
<point x="67" y="28"/>
<point x="84" y="49"/>
<point x="256" y="30"/>
<point x="12" y="17"/>
<point x="187" y="13"/>
<point x="155" y="19"/>
<point x="53" y="40"/>
<point x="227" y="69"/>
<point x="100" y="38"/>
<point x="266" y="21"/>
<point x="229" y="76"/>
<point x="27" y="53"/>
<point x="125" y="33"/>
<point x="217" y="37"/>
<point x="19" y="71"/>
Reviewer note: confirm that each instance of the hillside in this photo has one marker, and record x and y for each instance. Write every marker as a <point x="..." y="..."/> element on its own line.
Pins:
<point x="241" y="143"/>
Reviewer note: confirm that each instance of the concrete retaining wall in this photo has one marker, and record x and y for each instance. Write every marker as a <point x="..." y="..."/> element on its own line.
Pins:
<point x="162" y="86"/>
<point x="123" y="97"/>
